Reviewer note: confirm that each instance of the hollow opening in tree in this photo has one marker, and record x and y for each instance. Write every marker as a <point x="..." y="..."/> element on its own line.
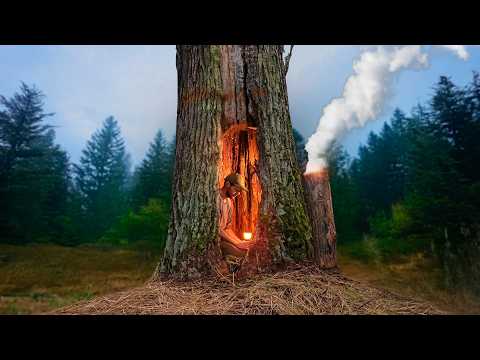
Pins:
<point x="240" y="154"/>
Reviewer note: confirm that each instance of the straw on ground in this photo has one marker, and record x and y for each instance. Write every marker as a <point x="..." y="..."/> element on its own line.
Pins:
<point x="304" y="291"/>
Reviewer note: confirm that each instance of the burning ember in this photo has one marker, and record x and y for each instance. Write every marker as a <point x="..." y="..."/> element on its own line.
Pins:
<point x="322" y="173"/>
<point x="247" y="235"/>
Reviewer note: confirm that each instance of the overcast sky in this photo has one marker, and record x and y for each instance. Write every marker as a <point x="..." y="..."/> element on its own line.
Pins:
<point x="137" y="85"/>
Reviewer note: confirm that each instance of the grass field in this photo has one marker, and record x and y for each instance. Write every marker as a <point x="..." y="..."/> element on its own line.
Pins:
<point x="412" y="276"/>
<point x="40" y="278"/>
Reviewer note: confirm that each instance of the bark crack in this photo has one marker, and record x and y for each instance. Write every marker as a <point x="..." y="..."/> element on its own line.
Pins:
<point x="287" y="59"/>
<point x="250" y="118"/>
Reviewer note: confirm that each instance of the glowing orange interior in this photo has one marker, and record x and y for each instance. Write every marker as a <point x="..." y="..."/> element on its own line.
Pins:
<point x="240" y="155"/>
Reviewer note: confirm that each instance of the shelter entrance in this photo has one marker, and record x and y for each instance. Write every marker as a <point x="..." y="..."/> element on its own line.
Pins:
<point x="240" y="154"/>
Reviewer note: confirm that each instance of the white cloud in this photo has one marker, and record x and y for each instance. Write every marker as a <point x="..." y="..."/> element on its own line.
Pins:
<point x="459" y="50"/>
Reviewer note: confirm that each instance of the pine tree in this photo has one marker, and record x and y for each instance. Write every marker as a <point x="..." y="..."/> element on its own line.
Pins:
<point x="344" y="194"/>
<point x="153" y="178"/>
<point x="302" y="156"/>
<point x="101" y="178"/>
<point x="371" y="175"/>
<point x="21" y="123"/>
<point x="452" y="114"/>
<point x="34" y="170"/>
<point x="398" y="170"/>
<point x="55" y="177"/>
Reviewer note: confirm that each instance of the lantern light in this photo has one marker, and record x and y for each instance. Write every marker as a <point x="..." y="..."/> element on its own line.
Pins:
<point x="247" y="235"/>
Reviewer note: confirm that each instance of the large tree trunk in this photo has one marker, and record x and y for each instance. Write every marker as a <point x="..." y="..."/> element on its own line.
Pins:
<point x="233" y="116"/>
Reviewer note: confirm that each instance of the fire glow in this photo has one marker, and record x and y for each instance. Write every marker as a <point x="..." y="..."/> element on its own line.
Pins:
<point x="321" y="173"/>
<point x="247" y="235"/>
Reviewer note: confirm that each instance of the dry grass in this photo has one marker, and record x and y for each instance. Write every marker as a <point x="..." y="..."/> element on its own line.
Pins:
<point x="415" y="277"/>
<point x="39" y="278"/>
<point x="303" y="291"/>
<point x="44" y="278"/>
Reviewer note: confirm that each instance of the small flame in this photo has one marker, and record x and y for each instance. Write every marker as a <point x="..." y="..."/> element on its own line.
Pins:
<point x="247" y="235"/>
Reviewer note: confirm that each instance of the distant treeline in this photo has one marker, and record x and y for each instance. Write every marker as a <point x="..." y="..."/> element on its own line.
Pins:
<point x="415" y="186"/>
<point x="44" y="197"/>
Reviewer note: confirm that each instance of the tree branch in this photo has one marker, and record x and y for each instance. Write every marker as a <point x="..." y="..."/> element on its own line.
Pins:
<point x="287" y="59"/>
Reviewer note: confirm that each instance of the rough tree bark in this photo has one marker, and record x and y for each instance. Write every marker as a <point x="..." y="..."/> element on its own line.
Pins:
<point x="320" y="208"/>
<point x="233" y="115"/>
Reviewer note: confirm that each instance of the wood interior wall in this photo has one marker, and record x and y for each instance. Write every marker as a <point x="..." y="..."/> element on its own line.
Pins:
<point x="240" y="155"/>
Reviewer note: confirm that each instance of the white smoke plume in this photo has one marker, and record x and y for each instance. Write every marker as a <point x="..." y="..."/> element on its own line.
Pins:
<point x="365" y="94"/>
